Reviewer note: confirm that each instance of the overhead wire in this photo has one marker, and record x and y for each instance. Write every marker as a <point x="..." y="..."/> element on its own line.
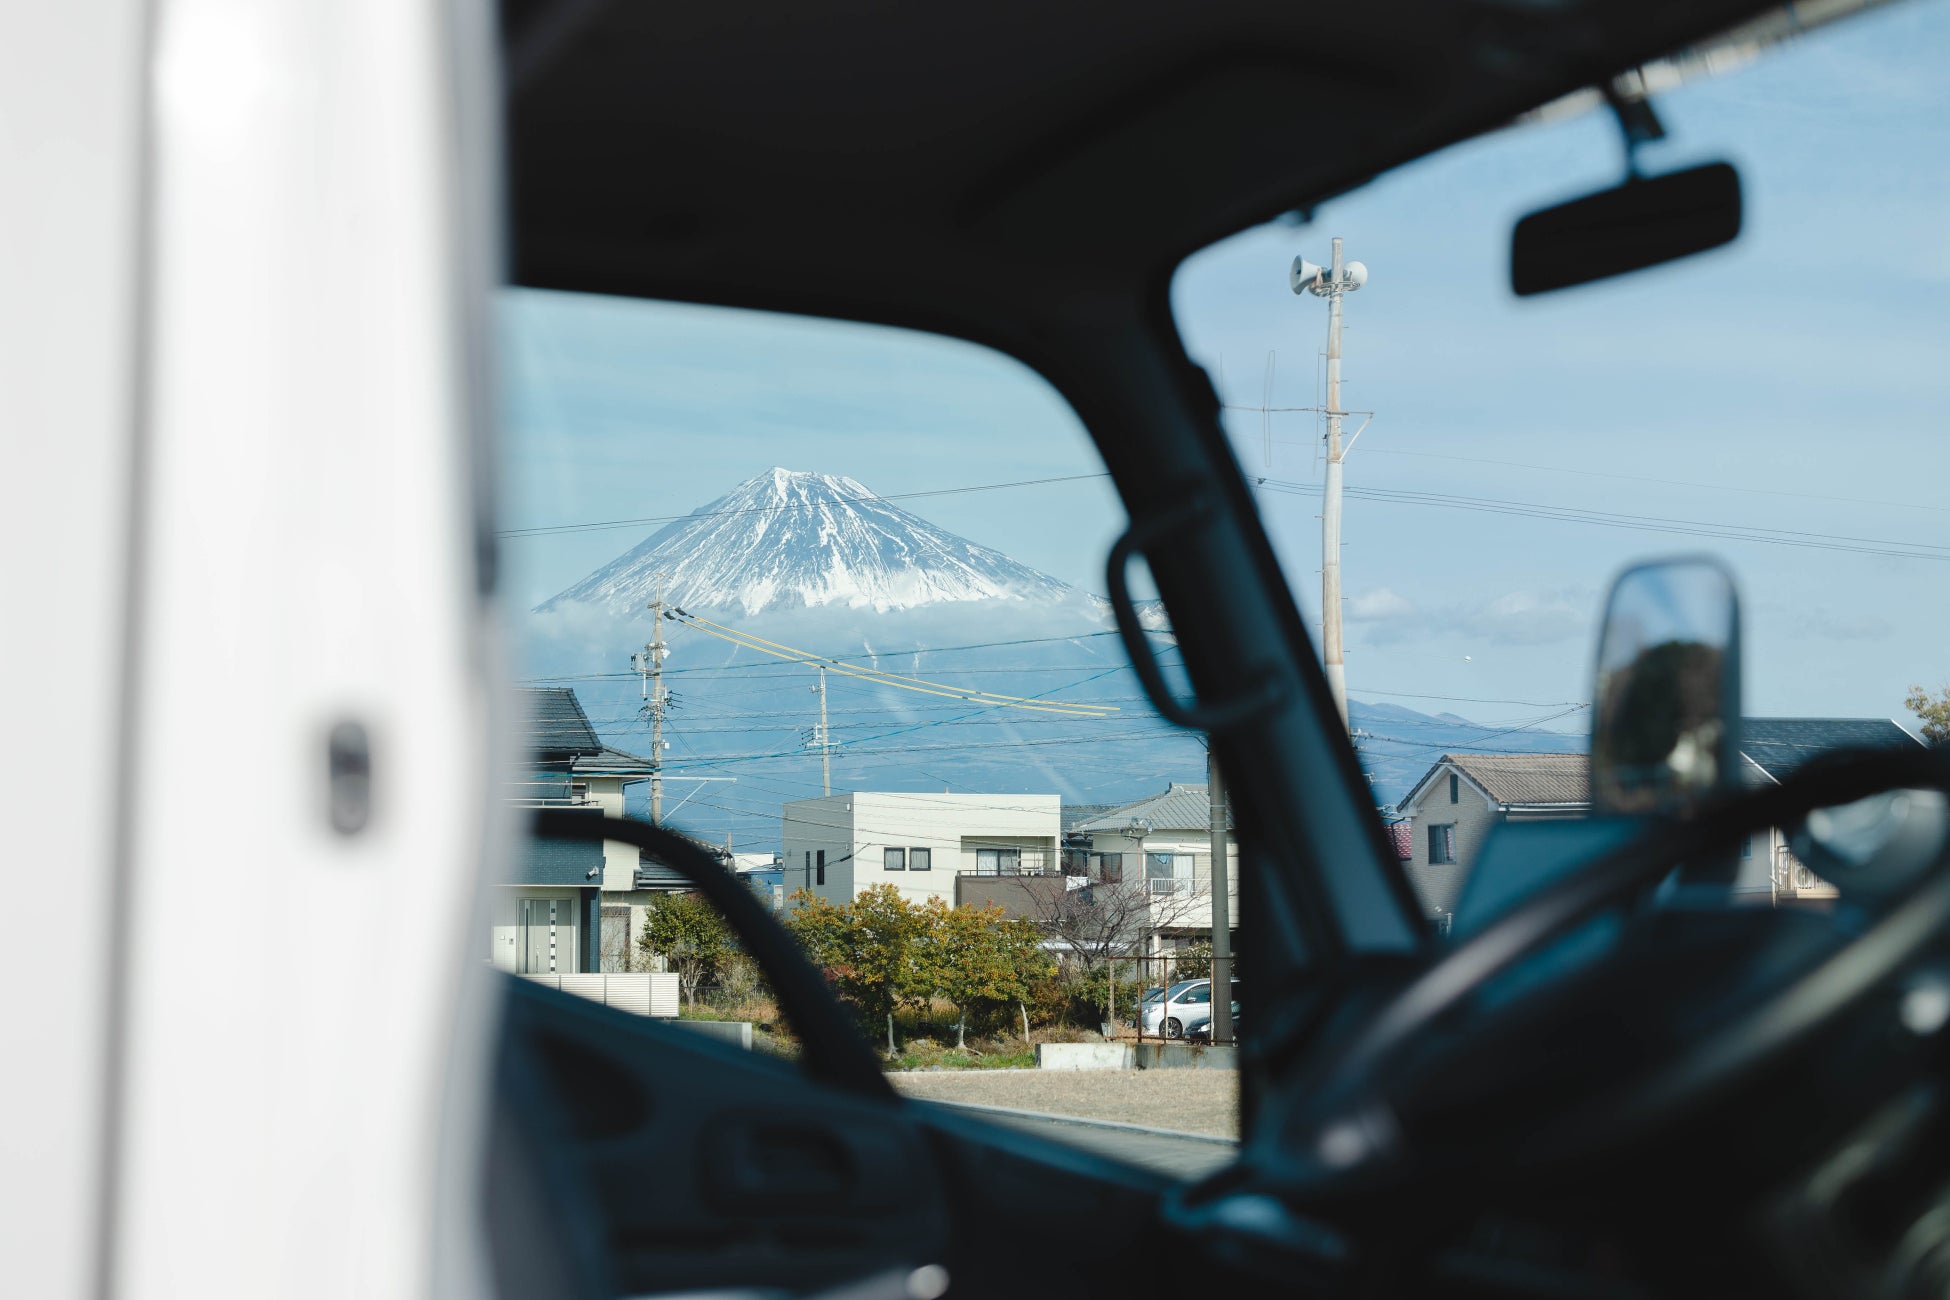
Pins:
<point x="761" y="645"/>
<point x="600" y="525"/>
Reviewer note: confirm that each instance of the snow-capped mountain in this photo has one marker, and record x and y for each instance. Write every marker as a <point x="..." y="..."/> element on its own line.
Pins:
<point x="793" y="540"/>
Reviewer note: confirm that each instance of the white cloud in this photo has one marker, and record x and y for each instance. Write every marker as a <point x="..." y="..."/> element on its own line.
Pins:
<point x="1530" y="618"/>
<point x="1514" y="618"/>
<point x="1380" y="605"/>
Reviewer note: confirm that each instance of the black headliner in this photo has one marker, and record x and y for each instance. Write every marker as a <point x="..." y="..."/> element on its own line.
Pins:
<point x="916" y="163"/>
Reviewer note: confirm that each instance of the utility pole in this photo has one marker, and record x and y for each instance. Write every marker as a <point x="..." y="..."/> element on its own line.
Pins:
<point x="1221" y="903"/>
<point x="656" y="700"/>
<point x="822" y="738"/>
<point x="1331" y="283"/>
<point x="1330" y="508"/>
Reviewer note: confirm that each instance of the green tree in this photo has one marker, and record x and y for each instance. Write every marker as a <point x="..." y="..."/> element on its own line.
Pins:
<point x="965" y="959"/>
<point x="1933" y="710"/>
<point x="1029" y="962"/>
<point x="687" y="932"/>
<point x="869" y="949"/>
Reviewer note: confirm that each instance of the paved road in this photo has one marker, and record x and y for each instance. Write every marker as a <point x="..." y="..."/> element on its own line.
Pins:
<point x="1185" y="1156"/>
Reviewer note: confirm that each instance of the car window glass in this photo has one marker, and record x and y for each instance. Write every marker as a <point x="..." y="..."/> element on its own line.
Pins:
<point x="1777" y="402"/>
<point x="827" y="599"/>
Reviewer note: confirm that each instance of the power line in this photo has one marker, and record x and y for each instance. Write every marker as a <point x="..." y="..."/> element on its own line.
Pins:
<point x="779" y="650"/>
<point x="1639" y="523"/>
<point x="1665" y="482"/>
<point x="601" y="525"/>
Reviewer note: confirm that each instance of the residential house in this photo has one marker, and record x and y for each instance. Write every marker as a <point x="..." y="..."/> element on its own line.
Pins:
<point x="544" y="917"/>
<point x="574" y="906"/>
<point x="1462" y="796"/>
<point x="841" y="844"/>
<point x="1165" y="840"/>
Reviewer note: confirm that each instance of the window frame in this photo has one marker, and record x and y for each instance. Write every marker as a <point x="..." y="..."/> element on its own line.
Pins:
<point x="920" y="859"/>
<point x="893" y="859"/>
<point x="1445" y="833"/>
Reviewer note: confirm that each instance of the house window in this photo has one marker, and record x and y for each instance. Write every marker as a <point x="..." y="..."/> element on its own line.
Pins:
<point x="1442" y="844"/>
<point x="894" y="859"/>
<point x="998" y="862"/>
<point x="1110" y="868"/>
<point x="1455" y="788"/>
<point x="1163" y="872"/>
<point x="819" y="865"/>
<point x="920" y="859"/>
<point x="1747" y="848"/>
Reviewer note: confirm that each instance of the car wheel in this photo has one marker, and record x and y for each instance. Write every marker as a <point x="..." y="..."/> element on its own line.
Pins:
<point x="1171" y="1028"/>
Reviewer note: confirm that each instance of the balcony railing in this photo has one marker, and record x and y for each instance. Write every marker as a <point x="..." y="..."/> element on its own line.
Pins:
<point x="549" y="794"/>
<point x="1013" y="862"/>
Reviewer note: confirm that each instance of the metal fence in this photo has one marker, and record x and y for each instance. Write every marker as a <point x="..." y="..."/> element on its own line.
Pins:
<point x="1168" y="996"/>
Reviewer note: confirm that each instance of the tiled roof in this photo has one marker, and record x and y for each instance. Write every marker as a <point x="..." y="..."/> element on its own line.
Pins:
<point x="1527" y="778"/>
<point x="1075" y="814"/>
<point x="1402" y="836"/>
<point x="1779" y="745"/>
<point x="1178" y="808"/>
<point x="557" y="726"/>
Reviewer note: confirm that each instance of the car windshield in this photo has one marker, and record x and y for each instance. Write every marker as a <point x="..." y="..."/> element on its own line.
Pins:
<point x="1777" y="402"/>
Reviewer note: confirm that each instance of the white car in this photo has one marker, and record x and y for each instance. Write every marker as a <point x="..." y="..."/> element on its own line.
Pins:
<point x="1183" y="1002"/>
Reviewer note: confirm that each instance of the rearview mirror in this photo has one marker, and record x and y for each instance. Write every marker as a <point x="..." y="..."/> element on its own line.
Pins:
<point x="1666" y="704"/>
<point x="1641" y="223"/>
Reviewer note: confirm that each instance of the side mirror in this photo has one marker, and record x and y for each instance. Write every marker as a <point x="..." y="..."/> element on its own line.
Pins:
<point x="1665" y="726"/>
<point x="1645" y="221"/>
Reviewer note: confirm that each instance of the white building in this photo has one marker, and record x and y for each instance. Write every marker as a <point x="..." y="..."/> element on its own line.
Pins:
<point x="844" y="843"/>
<point x="1165" y="840"/>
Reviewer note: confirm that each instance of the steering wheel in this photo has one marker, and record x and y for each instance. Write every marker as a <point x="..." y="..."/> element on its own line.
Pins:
<point x="1339" y="1137"/>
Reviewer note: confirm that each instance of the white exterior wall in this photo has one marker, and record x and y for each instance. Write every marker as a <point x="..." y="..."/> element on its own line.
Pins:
<point x="856" y="830"/>
<point x="619" y="860"/>
<point x="1178" y="912"/>
<point x="505" y="937"/>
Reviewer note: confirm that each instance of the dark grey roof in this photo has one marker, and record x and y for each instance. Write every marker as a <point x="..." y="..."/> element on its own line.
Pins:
<point x="1179" y="808"/>
<point x="557" y="726"/>
<point x="612" y="762"/>
<point x="653" y="873"/>
<point x="1073" y="815"/>
<point x="1779" y="745"/>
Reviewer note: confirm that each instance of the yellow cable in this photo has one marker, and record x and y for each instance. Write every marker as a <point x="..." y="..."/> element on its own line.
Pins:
<point x="882" y="673"/>
<point x="779" y="650"/>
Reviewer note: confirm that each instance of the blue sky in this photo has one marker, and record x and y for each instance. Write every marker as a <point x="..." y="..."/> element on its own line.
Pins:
<point x="1797" y="380"/>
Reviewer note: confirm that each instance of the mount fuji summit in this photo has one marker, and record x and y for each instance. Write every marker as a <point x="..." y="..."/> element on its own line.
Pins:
<point x="787" y="540"/>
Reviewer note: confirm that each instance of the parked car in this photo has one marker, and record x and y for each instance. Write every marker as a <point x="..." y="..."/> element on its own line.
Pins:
<point x="1183" y="1003"/>
<point x="1200" y="1031"/>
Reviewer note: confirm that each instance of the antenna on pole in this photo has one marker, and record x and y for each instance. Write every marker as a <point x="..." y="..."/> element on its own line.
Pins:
<point x="1331" y="282"/>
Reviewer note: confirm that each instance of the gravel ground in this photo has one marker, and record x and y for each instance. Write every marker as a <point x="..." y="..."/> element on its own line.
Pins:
<point x="1190" y="1101"/>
